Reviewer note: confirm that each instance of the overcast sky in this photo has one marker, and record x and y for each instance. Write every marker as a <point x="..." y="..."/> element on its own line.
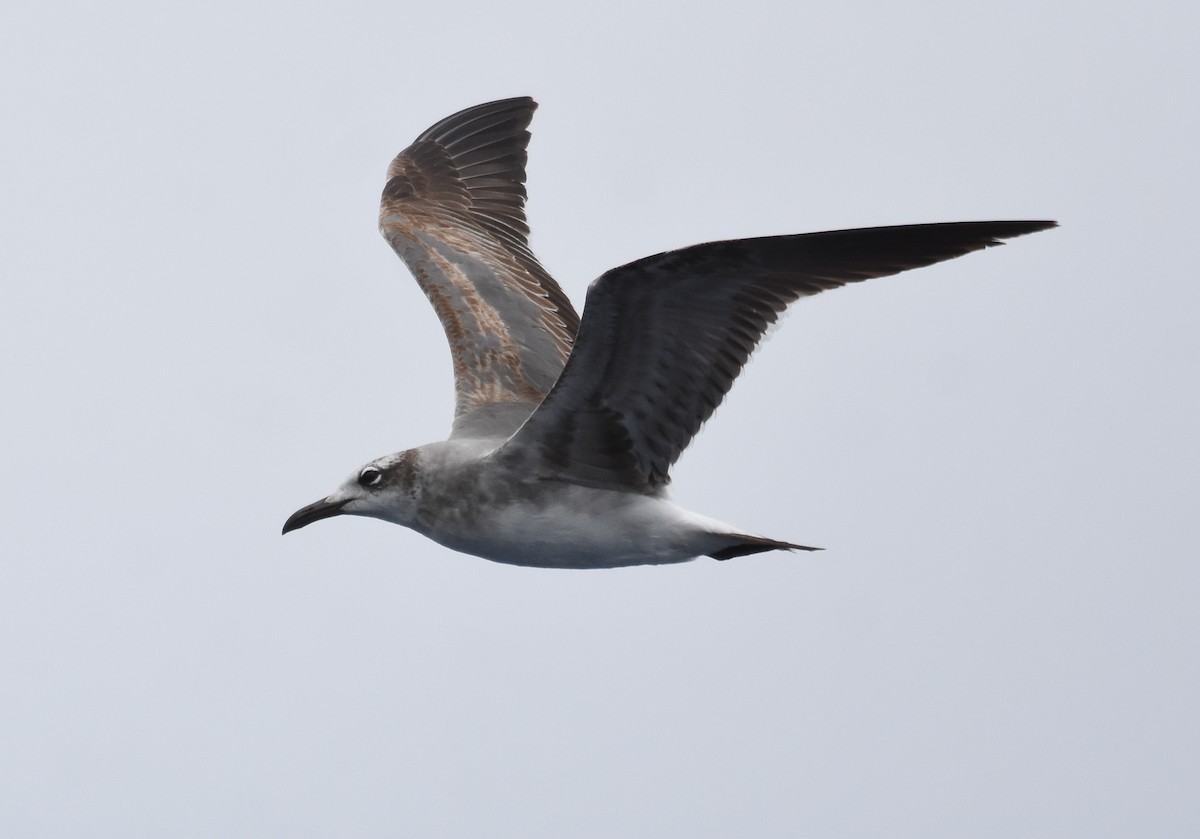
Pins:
<point x="202" y="331"/>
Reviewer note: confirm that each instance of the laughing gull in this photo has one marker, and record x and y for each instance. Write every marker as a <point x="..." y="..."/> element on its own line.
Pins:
<point x="565" y="430"/>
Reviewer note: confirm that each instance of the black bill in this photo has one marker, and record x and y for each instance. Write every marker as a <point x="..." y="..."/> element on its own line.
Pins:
<point x="316" y="511"/>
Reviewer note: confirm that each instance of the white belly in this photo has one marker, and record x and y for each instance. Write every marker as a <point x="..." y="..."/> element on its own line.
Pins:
<point x="582" y="528"/>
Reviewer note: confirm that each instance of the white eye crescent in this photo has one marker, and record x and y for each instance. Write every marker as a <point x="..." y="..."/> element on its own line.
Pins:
<point x="369" y="476"/>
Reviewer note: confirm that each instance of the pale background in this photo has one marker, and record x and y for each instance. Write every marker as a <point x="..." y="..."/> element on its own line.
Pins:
<point x="202" y="331"/>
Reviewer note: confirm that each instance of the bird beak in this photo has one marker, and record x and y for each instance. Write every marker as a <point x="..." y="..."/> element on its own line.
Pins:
<point x="316" y="511"/>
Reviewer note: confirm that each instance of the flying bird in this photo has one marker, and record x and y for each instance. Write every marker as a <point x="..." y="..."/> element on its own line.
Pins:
<point x="565" y="430"/>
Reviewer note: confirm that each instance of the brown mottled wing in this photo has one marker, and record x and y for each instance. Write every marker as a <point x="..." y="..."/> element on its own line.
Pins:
<point x="663" y="339"/>
<point x="454" y="210"/>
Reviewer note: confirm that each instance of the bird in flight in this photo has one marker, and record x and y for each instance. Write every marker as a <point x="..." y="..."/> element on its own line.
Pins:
<point x="565" y="430"/>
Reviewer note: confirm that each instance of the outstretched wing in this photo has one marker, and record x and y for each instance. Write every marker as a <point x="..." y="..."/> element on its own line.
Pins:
<point x="663" y="339"/>
<point x="454" y="210"/>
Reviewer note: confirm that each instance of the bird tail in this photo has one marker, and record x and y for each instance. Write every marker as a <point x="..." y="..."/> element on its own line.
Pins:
<point x="743" y="545"/>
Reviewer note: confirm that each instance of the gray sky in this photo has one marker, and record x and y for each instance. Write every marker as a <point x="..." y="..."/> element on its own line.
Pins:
<point x="203" y="331"/>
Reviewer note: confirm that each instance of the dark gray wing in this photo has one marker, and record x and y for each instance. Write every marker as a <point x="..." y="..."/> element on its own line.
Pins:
<point x="454" y="210"/>
<point x="663" y="339"/>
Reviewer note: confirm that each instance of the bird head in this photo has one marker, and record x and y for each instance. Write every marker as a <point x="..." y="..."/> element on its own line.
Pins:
<point x="383" y="489"/>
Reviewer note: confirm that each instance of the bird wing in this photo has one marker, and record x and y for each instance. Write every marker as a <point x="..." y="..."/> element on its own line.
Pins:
<point x="663" y="338"/>
<point x="453" y="209"/>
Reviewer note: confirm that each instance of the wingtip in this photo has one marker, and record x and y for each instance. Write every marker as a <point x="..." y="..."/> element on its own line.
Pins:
<point x="1024" y="228"/>
<point x="1016" y="229"/>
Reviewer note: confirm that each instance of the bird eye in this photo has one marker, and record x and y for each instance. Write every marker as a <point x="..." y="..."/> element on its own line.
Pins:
<point x="369" y="476"/>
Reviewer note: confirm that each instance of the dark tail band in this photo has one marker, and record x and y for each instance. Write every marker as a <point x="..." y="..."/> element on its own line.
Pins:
<point x="746" y="545"/>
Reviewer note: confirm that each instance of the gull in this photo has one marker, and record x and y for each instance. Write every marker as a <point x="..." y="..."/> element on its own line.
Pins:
<point x="564" y="430"/>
